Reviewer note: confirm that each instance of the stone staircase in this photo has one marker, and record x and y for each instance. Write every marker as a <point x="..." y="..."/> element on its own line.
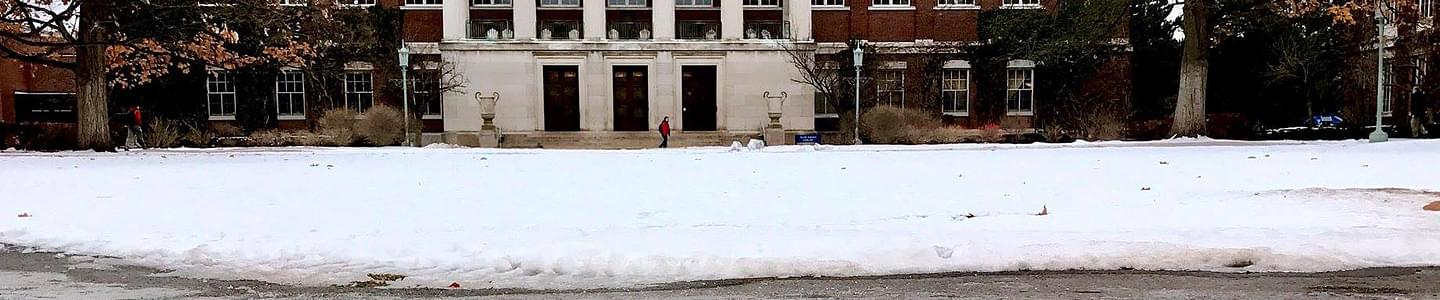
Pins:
<point x="621" y="139"/>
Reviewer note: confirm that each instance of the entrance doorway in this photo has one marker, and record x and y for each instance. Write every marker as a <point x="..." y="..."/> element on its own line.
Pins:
<point x="562" y="98"/>
<point x="697" y="85"/>
<point x="632" y="103"/>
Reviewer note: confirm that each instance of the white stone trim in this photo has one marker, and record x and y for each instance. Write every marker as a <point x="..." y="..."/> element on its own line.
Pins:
<point x="1020" y="63"/>
<point x="957" y="64"/>
<point x="894" y="65"/>
<point x="891" y="7"/>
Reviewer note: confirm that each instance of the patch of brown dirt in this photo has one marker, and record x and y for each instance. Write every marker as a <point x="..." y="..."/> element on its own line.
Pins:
<point x="1433" y="206"/>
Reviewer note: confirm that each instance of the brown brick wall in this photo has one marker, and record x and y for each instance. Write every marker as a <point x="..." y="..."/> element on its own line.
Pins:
<point x="423" y="26"/>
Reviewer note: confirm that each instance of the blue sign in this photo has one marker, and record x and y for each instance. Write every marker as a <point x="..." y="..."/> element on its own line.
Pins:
<point x="813" y="138"/>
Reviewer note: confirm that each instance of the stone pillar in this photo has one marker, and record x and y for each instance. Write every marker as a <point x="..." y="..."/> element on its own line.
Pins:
<point x="662" y="20"/>
<point x="774" y="132"/>
<point x="594" y="19"/>
<point x="732" y="20"/>
<point x="798" y="13"/>
<point x="455" y="17"/>
<point x="524" y="12"/>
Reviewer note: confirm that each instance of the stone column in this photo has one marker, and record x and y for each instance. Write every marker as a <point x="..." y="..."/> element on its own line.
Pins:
<point x="594" y="19"/>
<point x="455" y="17"/>
<point x="662" y="23"/>
<point x="798" y="13"/>
<point x="732" y="20"/>
<point x="524" y="12"/>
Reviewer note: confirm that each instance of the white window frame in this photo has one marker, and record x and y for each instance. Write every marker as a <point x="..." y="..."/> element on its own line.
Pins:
<point x="289" y="88"/>
<point x="892" y="3"/>
<point x="760" y="3"/>
<point x="1020" y="89"/>
<point x="1021" y="4"/>
<point x="829" y="69"/>
<point x="557" y="3"/>
<point x="627" y="3"/>
<point x="888" y="83"/>
<point x="955" y="85"/>
<point x="957" y="4"/>
<point x="220" y="86"/>
<point x="1427" y="8"/>
<point x="356" y="3"/>
<point x="504" y="3"/>
<point x="294" y="2"/>
<point x="359" y="90"/>
<point x="827" y="3"/>
<point x="424" y="3"/>
<point x="694" y="3"/>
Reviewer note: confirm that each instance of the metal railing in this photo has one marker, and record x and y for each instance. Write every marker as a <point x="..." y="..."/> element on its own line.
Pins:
<point x="628" y="31"/>
<point x="691" y="30"/>
<point x="490" y="30"/>
<point x="767" y="30"/>
<point x="560" y="30"/>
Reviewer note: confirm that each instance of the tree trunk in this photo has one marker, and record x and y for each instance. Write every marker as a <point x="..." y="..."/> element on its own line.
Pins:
<point x="1194" y="70"/>
<point x="91" y="91"/>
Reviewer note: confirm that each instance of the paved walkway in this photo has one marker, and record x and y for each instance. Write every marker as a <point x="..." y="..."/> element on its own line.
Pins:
<point x="48" y="275"/>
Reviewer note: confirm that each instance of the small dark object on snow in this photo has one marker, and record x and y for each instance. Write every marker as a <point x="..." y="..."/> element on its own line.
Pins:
<point x="329" y="166"/>
<point x="314" y="165"/>
<point x="1252" y="157"/>
<point x="1043" y="211"/>
<point x="1267" y="155"/>
<point x="1148" y="188"/>
<point x="386" y="277"/>
<point x="1164" y="162"/>
<point x="455" y="285"/>
<point x="1314" y="158"/>
<point x="970" y="216"/>
<point x="23" y="215"/>
<point x="232" y="155"/>
<point x="483" y="158"/>
<point x="1433" y="206"/>
<point x="1240" y="263"/>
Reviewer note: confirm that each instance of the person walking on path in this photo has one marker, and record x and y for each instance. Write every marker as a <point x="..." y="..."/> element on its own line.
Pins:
<point x="137" y="132"/>
<point x="665" y="133"/>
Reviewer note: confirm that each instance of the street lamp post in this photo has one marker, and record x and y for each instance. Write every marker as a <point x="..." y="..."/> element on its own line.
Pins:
<point x="405" y="89"/>
<point x="1379" y="134"/>
<point x="859" y="62"/>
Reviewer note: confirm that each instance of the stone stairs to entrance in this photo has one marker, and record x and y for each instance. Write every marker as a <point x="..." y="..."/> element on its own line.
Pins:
<point x="622" y="139"/>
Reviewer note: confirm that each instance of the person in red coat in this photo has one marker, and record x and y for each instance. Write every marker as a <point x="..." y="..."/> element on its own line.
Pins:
<point x="665" y="132"/>
<point x="137" y="129"/>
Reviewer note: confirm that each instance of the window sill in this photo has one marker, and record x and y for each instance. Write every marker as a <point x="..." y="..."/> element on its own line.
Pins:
<point x="1020" y="114"/>
<point x="627" y="7"/>
<point x="494" y="6"/>
<point x="827" y="116"/>
<point x="957" y="7"/>
<point x="422" y="7"/>
<point x="222" y="118"/>
<point x="957" y="114"/>
<point x="1022" y="6"/>
<point x="291" y="118"/>
<point x="761" y="7"/>
<point x="827" y="7"/>
<point x="696" y="7"/>
<point x="432" y="117"/>
<point x="894" y="7"/>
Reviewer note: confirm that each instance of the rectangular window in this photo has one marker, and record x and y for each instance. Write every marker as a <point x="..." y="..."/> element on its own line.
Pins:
<point x="823" y="107"/>
<point x="424" y="2"/>
<point x="554" y="3"/>
<point x="955" y="91"/>
<point x="627" y="3"/>
<point x="427" y="92"/>
<point x="356" y="2"/>
<point x="220" y="95"/>
<point x="1418" y="75"/>
<point x="1389" y="90"/>
<point x="891" y="2"/>
<point x="359" y="91"/>
<point x="290" y="95"/>
<point x="1427" y="8"/>
<point x="1021" y="3"/>
<point x="957" y="3"/>
<point x="768" y="3"/>
<point x="829" y="3"/>
<point x="1020" y="91"/>
<point x="890" y="87"/>
<point x="695" y="3"/>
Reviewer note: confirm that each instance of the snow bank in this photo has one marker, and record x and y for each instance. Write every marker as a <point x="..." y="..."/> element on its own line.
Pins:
<point x="567" y="219"/>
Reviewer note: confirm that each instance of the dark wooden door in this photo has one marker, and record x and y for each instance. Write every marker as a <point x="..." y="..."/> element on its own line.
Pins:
<point x="632" y="104"/>
<point x="697" y="83"/>
<point x="562" y="98"/>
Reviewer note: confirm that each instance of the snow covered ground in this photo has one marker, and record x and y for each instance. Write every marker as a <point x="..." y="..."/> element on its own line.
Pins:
<point x="569" y="219"/>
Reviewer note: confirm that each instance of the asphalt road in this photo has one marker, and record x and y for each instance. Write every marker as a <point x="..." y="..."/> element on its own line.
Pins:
<point x="52" y="276"/>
